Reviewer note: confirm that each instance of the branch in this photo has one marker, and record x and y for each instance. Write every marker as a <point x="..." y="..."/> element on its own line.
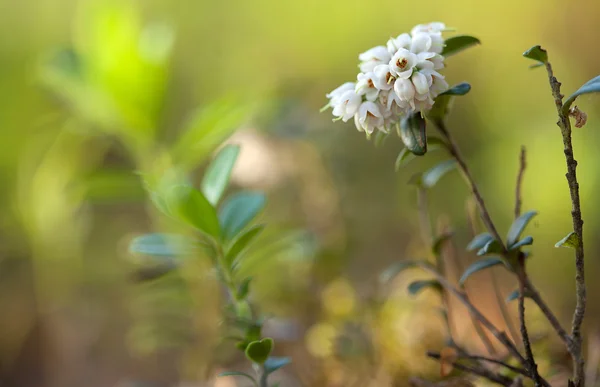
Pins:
<point x="500" y="336"/>
<point x="565" y="128"/>
<point x="518" y="196"/>
<point x="479" y="371"/>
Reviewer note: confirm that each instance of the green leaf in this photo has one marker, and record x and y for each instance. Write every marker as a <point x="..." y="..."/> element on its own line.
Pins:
<point x="491" y="247"/>
<point x="439" y="242"/>
<point x="192" y="207"/>
<point x="518" y="226"/>
<point x="417" y="286"/>
<point x="571" y="241"/>
<point x="218" y="173"/>
<point x="259" y="351"/>
<point x="238" y="211"/>
<point x="237" y="373"/>
<point x="479" y="265"/>
<point x="395" y="269"/>
<point x="460" y="89"/>
<point x="536" y="53"/>
<point x="591" y="86"/>
<point x="432" y="176"/>
<point x="479" y="241"/>
<point x="512" y="296"/>
<point x="380" y="138"/>
<point x="274" y="363"/>
<point x="154" y="271"/>
<point x="528" y="240"/>
<point x="244" y="288"/>
<point x="241" y="243"/>
<point x="405" y="156"/>
<point x="413" y="133"/>
<point x="162" y="245"/>
<point x="456" y="44"/>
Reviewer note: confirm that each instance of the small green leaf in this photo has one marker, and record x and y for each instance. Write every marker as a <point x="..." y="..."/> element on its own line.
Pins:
<point x="528" y="240"/>
<point x="259" y="351"/>
<point x="571" y="241"/>
<point x="244" y="288"/>
<point x="460" y="89"/>
<point x="536" y="53"/>
<point x="162" y="245"/>
<point x="237" y="373"/>
<point x="439" y="242"/>
<point x="417" y="286"/>
<point x="405" y="156"/>
<point x="518" y="226"/>
<point x="432" y="176"/>
<point x="591" y="86"/>
<point x="241" y="243"/>
<point x="192" y="207"/>
<point x="482" y="264"/>
<point x="216" y="177"/>
<point x="274" y="363"/>
<point x="238" y="211"/>
<point x="413" y="133"/>
<point x="479" y="241"/>
<point x="395" y="269"/>
<point x="380" y="138"/>
<point x="456" y="44"/>
<point x="512" y="296"/>
<point x="536" y="65"/>
<point x="491" y="247"/>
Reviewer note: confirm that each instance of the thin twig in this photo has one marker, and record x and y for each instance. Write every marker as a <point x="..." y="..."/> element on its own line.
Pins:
<point x="518" y="195"/>
<point x="500" y="336"/>
<point x="565" y="128"/>
<point x="455" y="152"/>
<point x="518" y="370"/>
<point x="476" y="370"/>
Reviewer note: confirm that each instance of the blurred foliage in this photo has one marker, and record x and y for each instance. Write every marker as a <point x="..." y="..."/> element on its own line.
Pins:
<point x="95" y="91"/>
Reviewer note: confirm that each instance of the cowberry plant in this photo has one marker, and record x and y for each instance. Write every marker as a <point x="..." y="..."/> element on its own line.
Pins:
<point x="400" y="87"/>
<point x="223" y="230"/>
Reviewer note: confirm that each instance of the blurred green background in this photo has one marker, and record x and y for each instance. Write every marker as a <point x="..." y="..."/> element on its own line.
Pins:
<point x="97" y="90"/>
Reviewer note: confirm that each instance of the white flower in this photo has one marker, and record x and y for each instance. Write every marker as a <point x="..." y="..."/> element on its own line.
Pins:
<point x="392" y="103"/>
<point x="347" y="105"/>
<point x="429" y="28"/>
<point x="384" y="79"/>
<point x="402" y="41"/>
<point x="420" y="82"/>
<point x="438" y="85"/>
<point x="434" y="30"/>
<point x="335" y="94"/>
<point x="366" y="86"/>
<point x="421" y="42"/>
<point x="405" y="90"/>
<point x="369" y="117"/>
<point x="373" y="57"/>
<point x="402" y="63"/>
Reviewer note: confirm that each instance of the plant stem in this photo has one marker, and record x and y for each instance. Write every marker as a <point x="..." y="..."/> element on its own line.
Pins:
<point x="500" y="336"/>
<point x="518" y="370"/>
<point x="534" y="294"/>
<point x="455" y="152"/>
<point x="518" y="196"/>
<point x="480" y="371"/>
<point x="565" y="128"/>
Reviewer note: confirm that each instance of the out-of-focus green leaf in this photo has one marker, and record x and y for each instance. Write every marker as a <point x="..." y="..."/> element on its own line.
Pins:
<point x="528" y="240"/>
<point x="259" y="351"/>
<point x="456" y="44"/>
<point x="274" y="363"/>
<point x="241" y="243"/>
<point x="154" y="271"/>
<point x="380" y="138"/>
<point x="491" y="247"/>
<point x="479" y="265"/>
<point x="417" y="286"/>
<point x="244" y="288"/>
<point x="238" y="373"/>
<point x="479" y="241"/>
<point x="413" y="133"/>
<point x="395" y="269"/>
<point x="536" y="53"/>
<point x="162" y="245"/>
<point x="432" y="176"/>
<point x="512" y="296"/>
<point x="208" y="128"/>
<point x="518" y="226"/>
<point x="238" y="211"/>
<point x="591" y="86"/>
<point x="189" y="205"/>
<point x="570" y="241"/>
<point x="110" y="185"/>
<point x="460" y="89"/>
<point x="438" y="243"/>
<point x="216" y="177"/>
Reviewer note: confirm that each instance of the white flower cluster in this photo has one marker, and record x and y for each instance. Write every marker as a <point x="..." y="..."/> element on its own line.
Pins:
<point x="395" y="80"/>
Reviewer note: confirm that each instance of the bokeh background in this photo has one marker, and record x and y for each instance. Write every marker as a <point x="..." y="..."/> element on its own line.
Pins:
<point x="94" y="91"/>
